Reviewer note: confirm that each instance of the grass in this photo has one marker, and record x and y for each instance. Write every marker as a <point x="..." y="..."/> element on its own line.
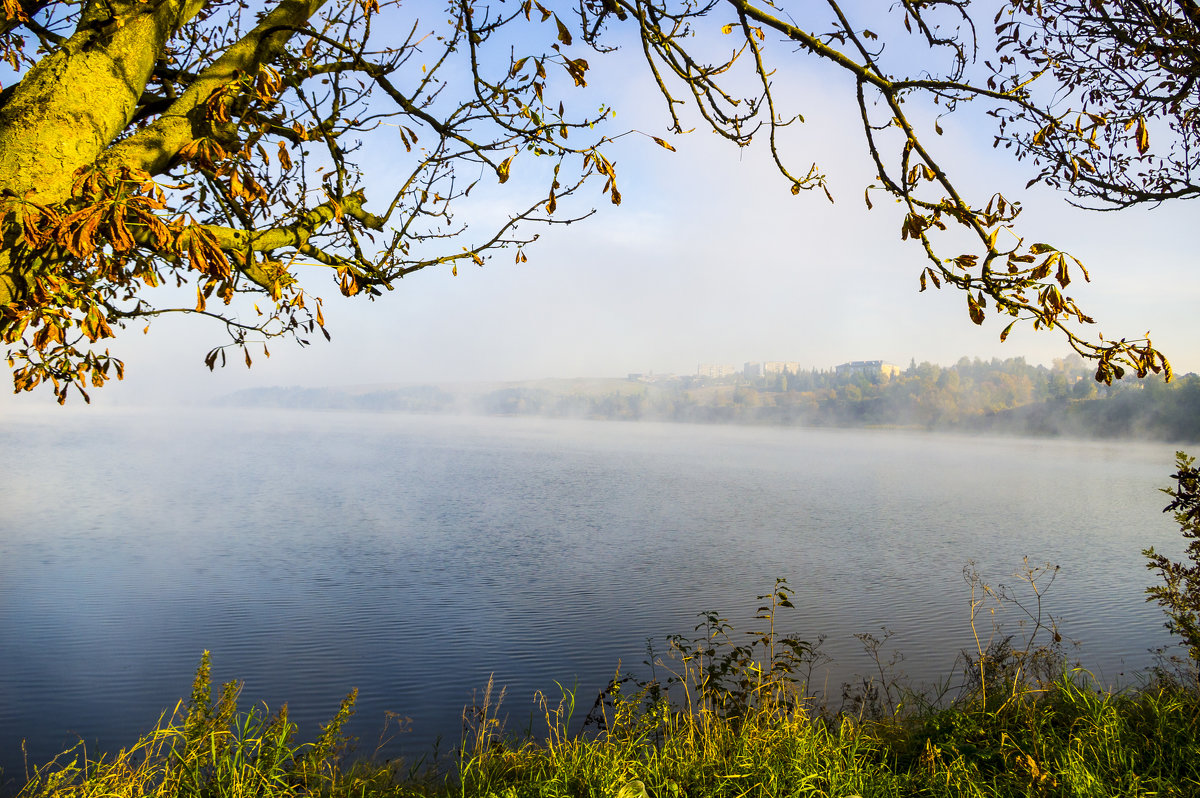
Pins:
<point x="724" y="716"/>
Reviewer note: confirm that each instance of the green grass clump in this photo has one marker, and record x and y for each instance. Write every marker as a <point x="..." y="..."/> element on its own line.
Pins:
<point x="730" y="718"/>
<point x="207" y="749"/>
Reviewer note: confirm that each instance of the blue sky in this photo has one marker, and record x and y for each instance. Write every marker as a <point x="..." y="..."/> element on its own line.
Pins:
<point x="710" y="259"/>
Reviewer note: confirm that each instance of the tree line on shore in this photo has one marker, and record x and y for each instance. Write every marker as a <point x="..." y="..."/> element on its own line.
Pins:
<point x="1000" y="396"/>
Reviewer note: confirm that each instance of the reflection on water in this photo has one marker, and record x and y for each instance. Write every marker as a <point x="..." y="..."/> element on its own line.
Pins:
<point x="413" y="557"/>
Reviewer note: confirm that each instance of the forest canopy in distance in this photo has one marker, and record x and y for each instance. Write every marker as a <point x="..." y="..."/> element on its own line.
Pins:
<point x="998" y="396"/>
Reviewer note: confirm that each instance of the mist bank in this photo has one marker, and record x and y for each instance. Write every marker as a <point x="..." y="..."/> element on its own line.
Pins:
<point x="996" y="397"/>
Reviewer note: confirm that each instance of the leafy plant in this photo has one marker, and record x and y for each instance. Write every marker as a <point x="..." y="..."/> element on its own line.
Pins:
<point x="721" y="672"/>
<point x="1179" y="594"/>
<point x="208" y="748"/>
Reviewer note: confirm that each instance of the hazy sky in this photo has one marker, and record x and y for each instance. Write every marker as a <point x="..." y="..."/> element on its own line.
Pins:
<point x="709" y="259"/>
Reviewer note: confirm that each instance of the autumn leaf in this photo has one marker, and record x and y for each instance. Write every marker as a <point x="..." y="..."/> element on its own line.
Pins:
<point x="1043" y="270"/>
<point x="502" y="169"/>
<point x="577" y="68"/>
<point x="564" y="35"/>
<point x="974" y="309"/>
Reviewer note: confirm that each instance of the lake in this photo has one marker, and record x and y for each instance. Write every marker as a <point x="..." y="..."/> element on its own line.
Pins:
<point x="413" y="557"/>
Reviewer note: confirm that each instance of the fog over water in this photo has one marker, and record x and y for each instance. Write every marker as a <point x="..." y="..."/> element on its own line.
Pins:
<point x="414" y="556"/>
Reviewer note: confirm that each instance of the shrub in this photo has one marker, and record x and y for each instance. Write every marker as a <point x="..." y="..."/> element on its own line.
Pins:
<point x="1179" y="595"/>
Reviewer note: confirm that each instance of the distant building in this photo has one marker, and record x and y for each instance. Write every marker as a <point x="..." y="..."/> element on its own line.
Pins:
<point x="772" y="367"/>
<point x="869" y="367"/>
<point x="650" y="377"/>
<point x="715" y="370"/>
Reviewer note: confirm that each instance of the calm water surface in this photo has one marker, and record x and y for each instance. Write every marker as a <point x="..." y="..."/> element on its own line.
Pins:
<point x="412" y="557"/>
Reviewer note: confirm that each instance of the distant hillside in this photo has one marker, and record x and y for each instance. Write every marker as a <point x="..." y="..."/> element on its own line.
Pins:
<point x="407" y="399"/>
<point x="1009" y="396"/>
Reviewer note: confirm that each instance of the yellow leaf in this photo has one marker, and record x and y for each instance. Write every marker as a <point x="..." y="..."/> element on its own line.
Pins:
<point x="974" y="309"/>
<point x="120" y="239"/>
<point x="235" y="184"/>
<point x="1064" y="279"/>
<point x="727" y="29"/>
<point x="284" y="159"/>
<point x="564" y="35"/>
<point x="502" y="169"/>
<point x="1039" y="272"/>
<point x="1142" y="137"/>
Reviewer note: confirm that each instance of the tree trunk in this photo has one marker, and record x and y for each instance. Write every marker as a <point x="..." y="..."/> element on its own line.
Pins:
<point x="71" y="105"/>
<point x="67" y="110"/>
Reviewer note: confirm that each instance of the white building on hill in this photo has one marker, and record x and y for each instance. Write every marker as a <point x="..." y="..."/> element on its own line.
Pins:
<point x="715" y="370"/>
<point x="869" y="367"/>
